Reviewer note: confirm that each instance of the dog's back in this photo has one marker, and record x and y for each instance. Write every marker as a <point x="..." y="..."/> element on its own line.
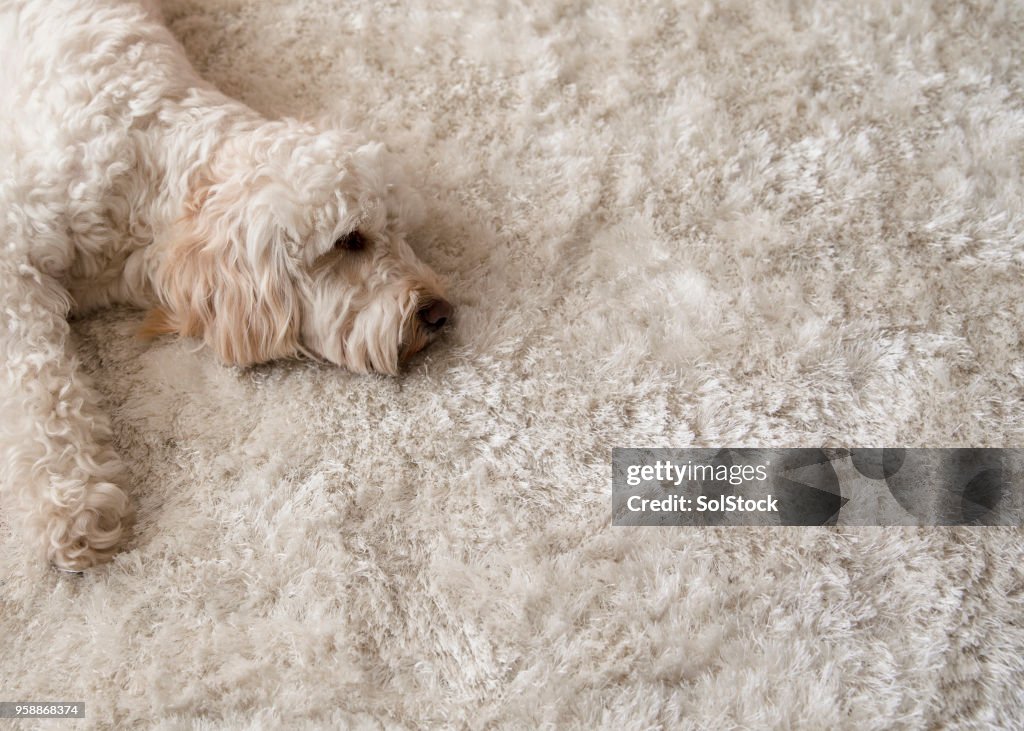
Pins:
<point x="86" y="93"/>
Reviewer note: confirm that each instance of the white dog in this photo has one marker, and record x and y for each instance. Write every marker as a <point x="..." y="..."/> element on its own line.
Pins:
<point x="125" y="178"/>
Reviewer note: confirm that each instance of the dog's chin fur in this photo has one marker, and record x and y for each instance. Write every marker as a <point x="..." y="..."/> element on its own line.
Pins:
<point x="225" y="226"/>
<point x="379" y="337"/>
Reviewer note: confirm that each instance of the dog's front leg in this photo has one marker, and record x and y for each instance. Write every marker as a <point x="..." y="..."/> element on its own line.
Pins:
<point x="56" y="463"/>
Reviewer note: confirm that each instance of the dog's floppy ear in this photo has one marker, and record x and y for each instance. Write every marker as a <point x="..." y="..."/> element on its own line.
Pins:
<point x="218" y="280"/>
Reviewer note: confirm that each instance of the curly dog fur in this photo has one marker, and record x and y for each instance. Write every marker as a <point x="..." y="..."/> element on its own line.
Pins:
<point x="125" y="178"/>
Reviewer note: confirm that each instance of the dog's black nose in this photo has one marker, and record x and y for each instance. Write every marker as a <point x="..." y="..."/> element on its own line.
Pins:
<point x="435" y="314"/>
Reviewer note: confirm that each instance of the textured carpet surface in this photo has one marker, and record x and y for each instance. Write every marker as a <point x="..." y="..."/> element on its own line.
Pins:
<point x="665" y="224"/>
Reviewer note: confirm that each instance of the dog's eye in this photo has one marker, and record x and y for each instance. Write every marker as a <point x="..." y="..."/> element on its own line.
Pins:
<point x="354" y="241"/>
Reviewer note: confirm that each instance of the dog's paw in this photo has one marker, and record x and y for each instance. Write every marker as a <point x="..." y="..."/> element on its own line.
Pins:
<point x="90" y="534"/>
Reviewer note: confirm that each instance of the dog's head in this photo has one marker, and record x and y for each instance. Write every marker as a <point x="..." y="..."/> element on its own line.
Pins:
<point x="294" y="242"/>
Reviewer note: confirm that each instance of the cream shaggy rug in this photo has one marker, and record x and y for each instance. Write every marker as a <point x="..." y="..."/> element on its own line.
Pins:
<point x="666" y="224"/>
